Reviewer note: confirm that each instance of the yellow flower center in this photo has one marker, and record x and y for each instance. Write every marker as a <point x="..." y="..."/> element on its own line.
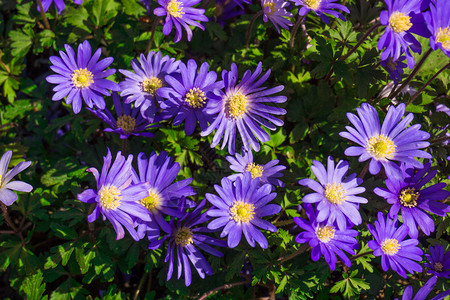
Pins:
<point x="408" y="197"/>
<point x="438" y="267"/>
<point x="390" y="246"/>
<point x="175" y="9"/>
<point x="242" y="212"/>
<point x="127" y="123"/>
<point x="312" y="4"/>
<point x="0" y="180"/>
<point x="381" y="147"/>
<point x="325" y="233"/>
<point x="335" y="193"/>
<point x="443" y="37"/>
<point x="152" y="200"/>
<point x="236" y="105"/>
<point x="151" y="85"/>
<point x="399" y="22"/>
<point x="109" y="197"/>
<point x="195" y="98"/>
<point x="183" y="236"/>
<point x="82" y="78"/>
<point x="271" y="6"/>
<point x="255" y="170"/>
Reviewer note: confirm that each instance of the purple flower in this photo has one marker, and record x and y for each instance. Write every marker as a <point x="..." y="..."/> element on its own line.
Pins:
<point x="240" y="105"/>
<point x="116" y="197"/>
<point x="146" y="3"/>
<point x="326" y="239"/>
<point x="7" y="196"/>
<point x="267" y="173"/>
<point x="395" y="68"/>
<point x="162" y="195"/>
<point x="240" y="207"/>
<point x="128" y="121"/>
<point x="81" y="77"/>
<point x="397" y="38"/>
<point x="180" y="13"/>
<point x="335" y="194"/>
<point x="187" y="95"/>
<point x="383" y="144"/>
<point x="321" y="7"/>
<point x="438" y="22"/>
<point x="438" y="261"/>
<point x="275" y="11"/>
<point x="182" y="241"/>
<point x="423" y="292"/>
<point x="395" y="252"/>
<point x="408" y="195"/>
<point x="141" y="87"/>
<point x="225" y="10"/>
<point x="60" y="6"/>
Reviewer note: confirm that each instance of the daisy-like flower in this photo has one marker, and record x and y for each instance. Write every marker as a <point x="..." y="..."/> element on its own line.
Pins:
<point x="162" y="195"/>
<point x="326" y="239"/>
<point x="187" y="95"/>
<point x="141" y="86"/>
<point x="398" y="38"/>
<point x="225" y="9"/>
<point x="408" y="195"/>
<point x="394" y="68"/>
<point x="275" y="11"/>
<point x="268" y="173"/>
<point x="81" y="77"/>
<point x="116" y="196"/>
<point x="321" y="7"/>
<point x="399" y="254"/>
<point x="180" y="13"/>
<point x="438" y="22"/>
<point x="335" y="194"/>
<point x="128" y="121"/>
<point x="183" y="243"/>
<point x="7" y="196"/>
<point x="239" y="209"/>
<point x="423" y="292"/>
<point x="383" y="144"/>
<point x="60" y="6"/>
<point x="240" y="105"/>
<point x="438" y="262"/>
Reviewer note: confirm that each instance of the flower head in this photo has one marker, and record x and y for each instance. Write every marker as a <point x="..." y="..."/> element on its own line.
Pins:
<point x="240" y="105"/>
<point x="334" y="194"/>
<point x="60" y="6"/>
<point x="141" y="87"/>
<point x="7" y="196"/>
<point x="326" y="239"/>
<point x="183" y="239"/>
<point x="395" y="68"/>
<point x="386" y="143"/>
<point x="321" y="8"/>
<point x="226" y="9"/>
<point x="81" y="77"/>
<point x="438" y="261"/>
<point x="275" y="11"/>
<point x="187" y="95"/>
<point x="128" y="121"/>
<point x="395" y="252"/>
<point x="116" y="196"/>
<point x="438" y="22"/>
<point x="239" y="209"/>
<point x="408" y="195"/>
<point x="180" y="13"/>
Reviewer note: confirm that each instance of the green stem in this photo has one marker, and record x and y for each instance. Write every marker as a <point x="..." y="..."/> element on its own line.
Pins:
<point x="44" y="17"/>
<point x="365" y="36"/>
<point x="294" y="31"/>
<point x="250" y="25"/>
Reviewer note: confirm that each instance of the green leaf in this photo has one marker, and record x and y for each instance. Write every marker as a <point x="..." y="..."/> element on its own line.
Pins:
<point x="235" y="266"/>
<point x="63" y="231"/>
<point x="33" y="286"/>
<point x="84" y="260"/>
<point x="282" y="284"/>
<point x="21" y="41"/>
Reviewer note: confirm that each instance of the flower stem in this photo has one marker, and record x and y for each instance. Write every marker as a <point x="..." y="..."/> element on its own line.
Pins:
<point x="365" y="36"/>
<point x="427" y="84"/>
<point x="292" y="255"/>
<point x="283" y="223"/>
<point x="152" y="32"/>
<point x="223" y="287"/>
<point x="250" y="25"/>
<point x="7" y="218"/>
<point x="44" y="17"/>
<point x="294" y="31"/>
<point x="410" y="77"/>
<point x="124" y="146"/>
<point x="361" y="254"/>
<point x="364" y="171"/>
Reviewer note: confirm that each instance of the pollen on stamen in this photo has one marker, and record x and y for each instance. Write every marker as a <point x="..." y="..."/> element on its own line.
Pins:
<point x="242" y="212"/>
<point x="152" y="201"/>
<point x="255" y="170"/>
<point x="82" y="78"/>
<point x="271" y="7"/>
<point x="312" y="4"/>
<point x="325" y="233"/>
<point x="183" y="236"/>
<point x="127" y="123"/>
<point x="400" y="22"/>
<point x="438" y="267"/>
<point x="408" y="197"/>
<point x="175" y="8"/>
<point x="335" y="193"/>
<point x="381" y="147"/>
<point x="236" y="105"/>
<point x="195" y="98"/>
<point x="109" y="197"/>
<point x="390" y="246"/>
<point x="443" y="37"/>
<point x="151" y="85"/>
